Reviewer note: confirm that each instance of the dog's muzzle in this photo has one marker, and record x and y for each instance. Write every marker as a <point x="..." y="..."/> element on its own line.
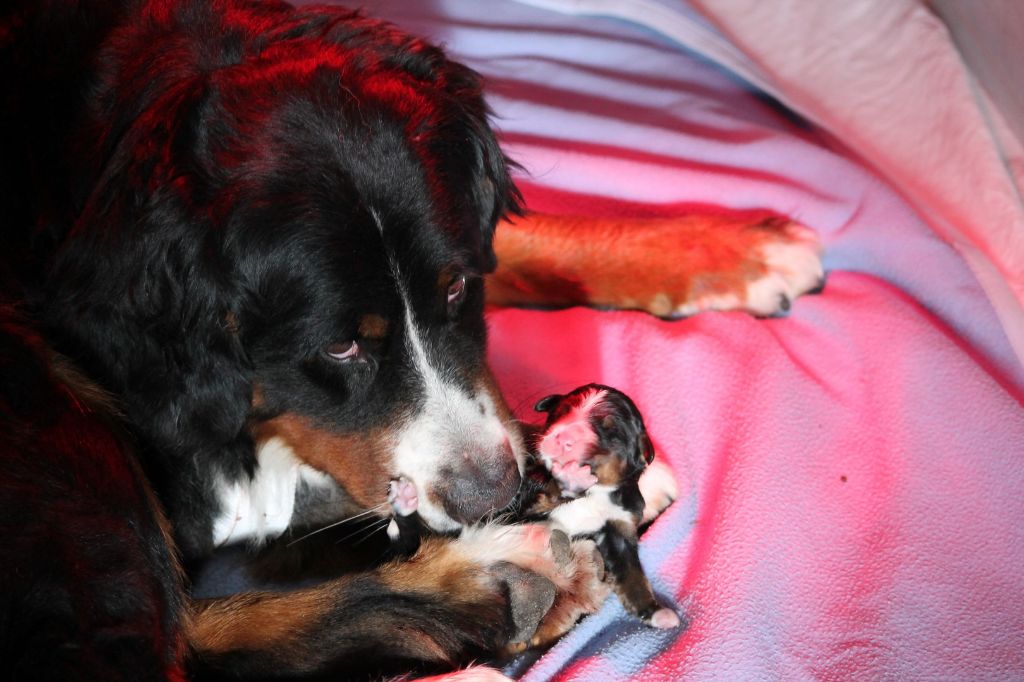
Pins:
<point x="480" y="484"/>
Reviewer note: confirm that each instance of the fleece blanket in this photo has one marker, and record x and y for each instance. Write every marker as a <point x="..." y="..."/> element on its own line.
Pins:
<point x="850" y="476"/>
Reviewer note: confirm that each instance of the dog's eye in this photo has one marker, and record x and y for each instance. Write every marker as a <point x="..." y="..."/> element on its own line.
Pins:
<point x="456" y="294"/>
<point x="343" y="350"/>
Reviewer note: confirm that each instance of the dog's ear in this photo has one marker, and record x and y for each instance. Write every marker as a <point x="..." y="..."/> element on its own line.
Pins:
<point x="142" y="298"/>
<point x="496" y="196"/>
<point x="547" y="403"/>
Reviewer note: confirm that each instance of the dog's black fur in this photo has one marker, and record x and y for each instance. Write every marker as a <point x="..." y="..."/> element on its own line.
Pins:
<point x="216" y="234"/>
<point x="245" y="224"/>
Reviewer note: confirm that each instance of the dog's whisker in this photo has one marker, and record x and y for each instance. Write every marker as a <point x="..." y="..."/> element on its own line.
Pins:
<point x="372" y="530"/>
<point x="371" y="510"/>
<point x="369" y="530"/>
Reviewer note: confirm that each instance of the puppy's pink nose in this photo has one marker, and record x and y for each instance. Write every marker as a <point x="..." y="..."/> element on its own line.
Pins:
<point x="570" y="441"/>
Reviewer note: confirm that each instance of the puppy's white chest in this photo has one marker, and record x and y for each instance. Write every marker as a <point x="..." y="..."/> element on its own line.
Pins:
<point x="589" y="514"/>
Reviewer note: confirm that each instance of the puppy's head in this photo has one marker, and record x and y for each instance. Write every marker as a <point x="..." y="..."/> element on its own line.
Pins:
<point x="311" y="220"/>
<point x="597" y="426"/>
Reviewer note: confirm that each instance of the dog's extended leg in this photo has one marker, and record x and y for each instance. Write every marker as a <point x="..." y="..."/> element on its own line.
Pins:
<point x="452" y="601"/>
<point x="671" y="267"/>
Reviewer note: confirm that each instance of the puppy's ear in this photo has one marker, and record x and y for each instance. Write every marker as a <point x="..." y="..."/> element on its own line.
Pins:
<point x="547" y="403"/>
<point x="646" y="448"/>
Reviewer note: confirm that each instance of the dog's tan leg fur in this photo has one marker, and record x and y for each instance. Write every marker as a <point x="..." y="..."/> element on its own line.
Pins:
<point x="671" y="267"/>
<point x="448" y="602"/>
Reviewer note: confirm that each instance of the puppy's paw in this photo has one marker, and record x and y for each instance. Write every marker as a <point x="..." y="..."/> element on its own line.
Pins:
<point x="659" y="489"/>
<point x="402" y="496"/>
<point x="663" y="619"/>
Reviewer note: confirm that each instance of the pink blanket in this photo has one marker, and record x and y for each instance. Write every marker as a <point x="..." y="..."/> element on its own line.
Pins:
<point x="851" y="475"/>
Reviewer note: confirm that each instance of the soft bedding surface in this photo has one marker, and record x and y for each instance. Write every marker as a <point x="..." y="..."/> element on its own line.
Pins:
<point x="850" y="475"/>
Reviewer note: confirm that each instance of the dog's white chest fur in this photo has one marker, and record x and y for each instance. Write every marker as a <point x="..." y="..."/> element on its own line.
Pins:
<point x="263" y="507"/>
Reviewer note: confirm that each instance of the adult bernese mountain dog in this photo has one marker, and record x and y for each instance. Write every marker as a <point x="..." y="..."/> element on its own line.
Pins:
<point x="243" y="291"/>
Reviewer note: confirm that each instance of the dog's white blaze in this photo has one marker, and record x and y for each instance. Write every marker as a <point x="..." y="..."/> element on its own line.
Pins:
<point x="589" y="513"/>
<point x="449" y="416"/>
<point x="262" y="507"/>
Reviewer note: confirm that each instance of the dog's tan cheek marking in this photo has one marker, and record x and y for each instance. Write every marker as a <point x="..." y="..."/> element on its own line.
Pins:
<point x="359" y="463"/>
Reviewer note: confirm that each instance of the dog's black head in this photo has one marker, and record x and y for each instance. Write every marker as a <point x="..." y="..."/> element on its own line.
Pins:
<point x="278" y="264"/>
<point x="598" y="426"/>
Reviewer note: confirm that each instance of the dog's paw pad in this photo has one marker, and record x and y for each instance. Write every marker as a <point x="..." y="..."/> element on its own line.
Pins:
<point x="561" y="550"/>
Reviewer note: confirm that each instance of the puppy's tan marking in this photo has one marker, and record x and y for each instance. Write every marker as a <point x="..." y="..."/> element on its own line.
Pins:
<point x="609" y="469"/>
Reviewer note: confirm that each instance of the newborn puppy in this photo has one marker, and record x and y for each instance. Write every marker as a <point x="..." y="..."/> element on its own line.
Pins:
<point x="584" y="480"/>
<point x="594" y="447"/>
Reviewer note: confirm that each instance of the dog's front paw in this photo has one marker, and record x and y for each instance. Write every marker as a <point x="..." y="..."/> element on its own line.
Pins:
<point x="764" y="267"/>
<point x="529" y="563"/>
<point x="671" y="267"/>
<point x="583" y="593"/>
<point x="792" y="267"/>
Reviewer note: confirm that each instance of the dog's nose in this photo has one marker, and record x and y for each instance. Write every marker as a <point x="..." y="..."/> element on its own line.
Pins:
<point x="478" y="484"/>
